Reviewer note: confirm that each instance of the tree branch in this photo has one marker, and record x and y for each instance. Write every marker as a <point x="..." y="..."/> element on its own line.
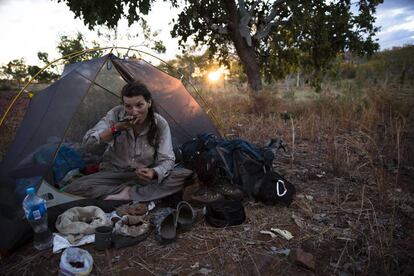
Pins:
<point x="273" y="12"/>
<point x="264" y="29"/>
<point x="245" y="17"/>
<point x="215" y="25"/>
<point x="219" y="28"/>
<point x="263" y="32"/>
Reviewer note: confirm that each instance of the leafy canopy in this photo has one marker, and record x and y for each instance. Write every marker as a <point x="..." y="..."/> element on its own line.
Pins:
<point x="271" y="37"/>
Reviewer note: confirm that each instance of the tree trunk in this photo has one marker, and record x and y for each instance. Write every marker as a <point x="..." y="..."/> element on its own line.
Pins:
<point x="248" y="59"/>
<point x="387" y="74"/>
<point x="297" y="79"/>
<point x="287" y="82"/>
<point x="403" y="72"/>
<point x="245" y="52"/>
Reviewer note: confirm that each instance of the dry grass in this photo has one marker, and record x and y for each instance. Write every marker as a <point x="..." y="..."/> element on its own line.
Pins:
<point x="359" y="138"/>
<point x="347" y="156"/>
<point x="10" y="126"/>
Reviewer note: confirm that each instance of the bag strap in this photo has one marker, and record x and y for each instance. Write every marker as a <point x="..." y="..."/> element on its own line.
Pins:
<point x="221" y="152"/>
<point x="266" y="175"/>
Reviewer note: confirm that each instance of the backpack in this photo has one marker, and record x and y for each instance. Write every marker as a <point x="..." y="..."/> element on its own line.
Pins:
<point x="239" y="163"/>
<point x="195" y="155"/>
<point x="188" y="152"/>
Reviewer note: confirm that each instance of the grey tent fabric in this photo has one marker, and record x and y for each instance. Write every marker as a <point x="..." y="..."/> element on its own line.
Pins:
<point x="74" y="103"/>
<point x="184" y="114"/>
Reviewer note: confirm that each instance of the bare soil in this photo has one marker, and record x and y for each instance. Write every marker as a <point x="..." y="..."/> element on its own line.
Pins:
<point x="341" y="223"/>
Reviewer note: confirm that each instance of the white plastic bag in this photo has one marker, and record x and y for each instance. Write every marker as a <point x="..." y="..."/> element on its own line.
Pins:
<point x="75" y="262"/>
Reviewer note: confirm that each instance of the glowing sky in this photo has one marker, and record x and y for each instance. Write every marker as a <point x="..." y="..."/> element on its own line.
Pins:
<point x="30" y="26"/>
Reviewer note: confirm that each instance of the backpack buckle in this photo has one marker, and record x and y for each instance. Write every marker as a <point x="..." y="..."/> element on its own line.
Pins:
<point x="277" y="188"/>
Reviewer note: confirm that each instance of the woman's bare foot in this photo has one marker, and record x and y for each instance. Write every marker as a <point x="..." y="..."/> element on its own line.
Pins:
<point x="122" y="195"/>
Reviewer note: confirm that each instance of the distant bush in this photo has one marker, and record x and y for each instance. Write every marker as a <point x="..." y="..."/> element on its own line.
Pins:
<point x="394" y="66"/>
<point x="5" y="85"/>
<point x="348" y="71"/>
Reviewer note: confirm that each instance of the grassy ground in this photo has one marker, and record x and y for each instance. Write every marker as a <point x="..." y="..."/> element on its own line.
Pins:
<point x="349" y="153"/>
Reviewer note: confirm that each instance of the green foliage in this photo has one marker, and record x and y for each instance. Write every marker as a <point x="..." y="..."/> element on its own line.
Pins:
<point x="20" y="72"/>
<point x="189" y="66"/>
<point x="44" y="76"/>
<point x="272" y="38"/>
<point x="186" y="65"/>
<point x="43" y="57"/>
<point x="329" y="29"/>
<point x="5" y="85"/>
<point x="194" y="67"/>
<point x="16" y="70"/>
<point x="70" y="45"/>
<point x="109" y="12"/>
<point x="48" y="74"/>
<point x="306" y="34"/>
<point x="352" y="73"/>
<point x="389" y="67"/>
<point x="150" y="38"/>
<point x="237" y="72"/>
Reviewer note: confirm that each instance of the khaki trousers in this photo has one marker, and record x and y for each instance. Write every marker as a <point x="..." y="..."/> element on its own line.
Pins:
<point x="103" y="183"/>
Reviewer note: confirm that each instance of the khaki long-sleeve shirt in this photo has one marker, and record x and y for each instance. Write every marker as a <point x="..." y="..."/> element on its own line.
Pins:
<point x="127" y="152"/>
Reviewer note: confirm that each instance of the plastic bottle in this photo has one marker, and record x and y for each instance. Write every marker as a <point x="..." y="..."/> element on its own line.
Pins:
<point x="36" y="213"/>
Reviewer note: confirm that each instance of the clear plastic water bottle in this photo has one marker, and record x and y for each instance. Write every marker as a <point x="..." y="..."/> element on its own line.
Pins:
<point x="36" y="213"/>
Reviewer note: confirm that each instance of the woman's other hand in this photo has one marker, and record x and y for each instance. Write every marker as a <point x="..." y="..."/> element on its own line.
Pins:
<point x="146" y="174"/>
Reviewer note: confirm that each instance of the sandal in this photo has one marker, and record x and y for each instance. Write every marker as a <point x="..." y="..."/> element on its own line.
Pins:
<point x="165" y="224"/>
<point x="185" y="215"/>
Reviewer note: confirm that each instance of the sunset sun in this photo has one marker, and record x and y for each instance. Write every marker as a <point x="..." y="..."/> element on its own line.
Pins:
<point x="214" y="76"/>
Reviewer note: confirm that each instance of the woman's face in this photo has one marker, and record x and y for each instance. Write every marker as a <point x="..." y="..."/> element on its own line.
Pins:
<point x="137" y="107"/>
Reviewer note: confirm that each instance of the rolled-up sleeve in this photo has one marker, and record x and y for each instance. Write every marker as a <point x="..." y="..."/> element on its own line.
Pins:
<point x="92" y="136"/>
<point x="165" y="155"/>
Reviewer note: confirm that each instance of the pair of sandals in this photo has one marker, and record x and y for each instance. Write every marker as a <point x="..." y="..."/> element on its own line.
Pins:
<point x="168" y="220"/>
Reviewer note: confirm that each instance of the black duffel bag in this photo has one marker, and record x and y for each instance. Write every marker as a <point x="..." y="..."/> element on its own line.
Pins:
<point x="273" y="189"/>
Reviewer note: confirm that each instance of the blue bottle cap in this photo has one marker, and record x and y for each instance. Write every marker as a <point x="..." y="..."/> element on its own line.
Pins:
<point x="30" y="190"/>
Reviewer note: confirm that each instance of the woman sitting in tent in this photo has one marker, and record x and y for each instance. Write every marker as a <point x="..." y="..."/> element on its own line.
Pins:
<point x="138" y="163"/>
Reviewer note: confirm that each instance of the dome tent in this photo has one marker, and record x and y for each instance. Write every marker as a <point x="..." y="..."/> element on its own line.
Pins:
<point x="64" y="111"/>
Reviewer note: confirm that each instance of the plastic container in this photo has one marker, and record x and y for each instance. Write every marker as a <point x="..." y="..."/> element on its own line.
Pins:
<point x="75" y="262"/>
<point x="36" y="213"/>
